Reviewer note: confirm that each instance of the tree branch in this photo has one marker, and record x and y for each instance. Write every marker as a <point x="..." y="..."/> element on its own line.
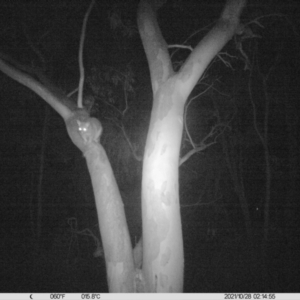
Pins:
<point x="59" y="103"/>
<point x="210" y="45"/>
<point x="80" y="55"/>
<point x="154" y="44"/>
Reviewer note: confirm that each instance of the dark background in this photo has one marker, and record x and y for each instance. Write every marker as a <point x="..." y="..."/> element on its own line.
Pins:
<point x="46" y="194"/>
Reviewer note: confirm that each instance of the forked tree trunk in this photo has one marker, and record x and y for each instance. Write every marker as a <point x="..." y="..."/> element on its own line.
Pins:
<point x="163" y="260"/>
<point x="162" y="269"/>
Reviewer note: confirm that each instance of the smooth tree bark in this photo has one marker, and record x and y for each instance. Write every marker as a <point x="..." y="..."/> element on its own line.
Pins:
<point x="110" y="208"/>
<point x="163" y="260"/>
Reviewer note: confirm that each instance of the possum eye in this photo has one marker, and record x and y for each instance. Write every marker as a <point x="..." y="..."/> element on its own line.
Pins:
<point x="83" y="128"/>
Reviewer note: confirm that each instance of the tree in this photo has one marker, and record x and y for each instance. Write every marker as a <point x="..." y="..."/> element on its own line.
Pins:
<point x="162" y="259"/>
<point x="162" y="238"/>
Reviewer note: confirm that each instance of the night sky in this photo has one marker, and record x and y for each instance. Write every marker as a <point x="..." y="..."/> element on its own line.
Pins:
<point x="250" y="115"/>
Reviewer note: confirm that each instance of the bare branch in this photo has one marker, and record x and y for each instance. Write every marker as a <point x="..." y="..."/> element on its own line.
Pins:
<point x="214" y="133"/>
<point x="132" y="147"/>
<point x="210" y="45"/>
<point x="80" y="55"/>
<point x="181" y="46"/>
<point x="185" y="113"/>
<point x="61" y="104"/>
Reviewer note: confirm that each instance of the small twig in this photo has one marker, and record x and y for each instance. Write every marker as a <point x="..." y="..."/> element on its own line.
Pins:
<point x="131" y="146"/>
<point x="181" y="46"/>
<point x="185" y="112"/>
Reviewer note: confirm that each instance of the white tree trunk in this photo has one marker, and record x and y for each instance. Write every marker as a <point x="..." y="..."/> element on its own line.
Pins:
<point x="163" y="259"/>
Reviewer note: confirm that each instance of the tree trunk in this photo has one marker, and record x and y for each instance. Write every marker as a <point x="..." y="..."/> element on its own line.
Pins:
<point x="112" y="222"/>
<point x="163" y="260"/>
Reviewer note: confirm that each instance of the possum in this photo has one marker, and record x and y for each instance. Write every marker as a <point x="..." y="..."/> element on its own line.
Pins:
<point x="80" y="125"/>
<point x="90" y="130"/>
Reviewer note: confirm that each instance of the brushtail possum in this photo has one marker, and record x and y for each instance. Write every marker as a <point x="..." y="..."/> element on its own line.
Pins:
<point x="90" y="129"/>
